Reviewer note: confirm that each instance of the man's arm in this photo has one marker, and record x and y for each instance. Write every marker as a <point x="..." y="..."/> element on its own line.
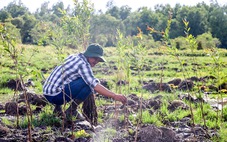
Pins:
<point x="105" y="92"/>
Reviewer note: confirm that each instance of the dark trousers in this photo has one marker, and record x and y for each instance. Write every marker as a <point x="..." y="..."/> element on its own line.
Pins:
<point x="77" y="89"/>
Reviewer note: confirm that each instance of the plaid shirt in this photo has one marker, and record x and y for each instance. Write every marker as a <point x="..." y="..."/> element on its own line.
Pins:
<point x="73" y="68"/>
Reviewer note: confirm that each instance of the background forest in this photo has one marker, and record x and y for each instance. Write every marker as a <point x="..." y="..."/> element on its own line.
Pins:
<point x="208" y="23"/>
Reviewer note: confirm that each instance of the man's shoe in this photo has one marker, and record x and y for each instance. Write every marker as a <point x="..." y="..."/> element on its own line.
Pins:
<point x="75" y="114"/>
<point x="72" y="110"/>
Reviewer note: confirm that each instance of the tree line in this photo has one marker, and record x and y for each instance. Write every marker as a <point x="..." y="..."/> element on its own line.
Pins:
<point x="102" y="27"/>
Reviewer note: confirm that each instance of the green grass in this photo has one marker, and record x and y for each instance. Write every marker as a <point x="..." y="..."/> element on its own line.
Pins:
<point x="45" y="59"/>
<point x="222" y="137"/>
<point x="43" y="119"/>
<point x="147" y="118"/>
<point x="177" y="115"/>
<point x="8" y="122"/>
<point x="6" y="94"/>
<point x="171" y="64"/>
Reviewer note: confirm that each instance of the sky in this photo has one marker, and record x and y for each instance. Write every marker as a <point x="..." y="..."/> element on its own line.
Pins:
<point x="101" y="4"/>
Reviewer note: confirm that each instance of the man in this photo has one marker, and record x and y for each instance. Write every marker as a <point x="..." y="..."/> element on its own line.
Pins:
<point x="74" y="81"/>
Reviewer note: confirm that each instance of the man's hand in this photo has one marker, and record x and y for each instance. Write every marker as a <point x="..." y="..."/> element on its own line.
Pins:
<point x="121" y="98"/>
<point x="106" y="92"/>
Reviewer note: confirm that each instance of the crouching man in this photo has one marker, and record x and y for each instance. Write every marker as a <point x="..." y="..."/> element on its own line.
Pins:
<point x="73" y="81"/>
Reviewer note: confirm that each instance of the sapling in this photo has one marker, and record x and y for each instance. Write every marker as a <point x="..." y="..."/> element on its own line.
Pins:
<point x="174" y="51"/>
<point x="21" y="69"/>
<point x="123" y="62"/>
<point x="216" y="57"/>
<point x="56" y="35"/>
<point x="123" y="69"/>
<point x="137" y="55"/>
<point x="72" y="30"/>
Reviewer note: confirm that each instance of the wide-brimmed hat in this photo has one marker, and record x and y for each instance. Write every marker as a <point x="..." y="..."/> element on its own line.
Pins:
<point x="94" y="50"/>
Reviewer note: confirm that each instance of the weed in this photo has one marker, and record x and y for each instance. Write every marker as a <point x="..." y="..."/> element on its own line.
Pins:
<point x="100" y="116"/>
<point x="81" y="134"/>
<point x="131" y="131"/>
<point x="121" y="118"/>
<point x="7" y="122"/>
<point x="43" y="119"/>
<point x="147" y="118"/>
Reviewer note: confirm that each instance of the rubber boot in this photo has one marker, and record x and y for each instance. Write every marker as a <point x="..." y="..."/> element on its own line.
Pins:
<point x="58" y="111"/>
<point x="72" y="110"/>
